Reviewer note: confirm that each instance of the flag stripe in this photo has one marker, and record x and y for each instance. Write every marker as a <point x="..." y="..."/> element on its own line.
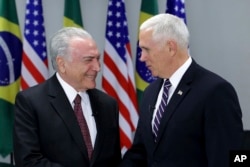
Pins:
<point x="118" y="74"/>
<point x="34" y="62"/>
<point x="131" y="77"/>
<point x="126" y="131"/>
<point x="121" y="95"/>
<point x="117" y="71"/>
<point x="28" y="77"/>
<point x="40" y="66"/>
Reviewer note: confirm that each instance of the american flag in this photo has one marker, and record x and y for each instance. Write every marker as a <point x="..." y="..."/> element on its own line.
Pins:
<point x="118" y="73"/>
<point x="34" y="59"/>
<point x="177" y="8"/>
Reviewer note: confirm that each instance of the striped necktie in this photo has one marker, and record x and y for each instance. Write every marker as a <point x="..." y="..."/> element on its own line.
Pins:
<point x="161" y="109"/>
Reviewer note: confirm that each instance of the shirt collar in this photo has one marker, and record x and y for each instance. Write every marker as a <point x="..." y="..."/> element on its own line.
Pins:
<point x="176" y="77"/>
<point x="68" y="89"/>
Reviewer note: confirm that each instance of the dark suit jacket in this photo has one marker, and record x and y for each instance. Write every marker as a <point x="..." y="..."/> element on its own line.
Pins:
<point x="46" y="132"/>
<point x="201" y="124"/>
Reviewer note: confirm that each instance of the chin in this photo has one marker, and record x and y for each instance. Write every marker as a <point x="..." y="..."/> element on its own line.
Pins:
<point x="92" y="86"/>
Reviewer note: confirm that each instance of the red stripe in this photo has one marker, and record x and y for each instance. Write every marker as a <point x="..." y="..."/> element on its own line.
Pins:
<point x="113" y="67"/>
<point x="24" y="84"/>
<point x="125" y="141"/>
<point x="123" y="109"/>
<point x="129" y="49"/>
<point x="32" y="68"/>
<point x="122" y="78"/>
<point x="132" y="91"/>
<point x="132" y="94"/>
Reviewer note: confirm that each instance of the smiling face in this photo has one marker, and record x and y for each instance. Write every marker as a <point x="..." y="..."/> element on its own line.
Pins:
<point x="81" y="66"/>
<point x="157" y="54"/>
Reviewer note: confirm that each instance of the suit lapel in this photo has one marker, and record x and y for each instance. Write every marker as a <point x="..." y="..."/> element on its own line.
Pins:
<point x="181" y="91"/>
<point x="96" y="105"/>
<point x="62" y="106"/>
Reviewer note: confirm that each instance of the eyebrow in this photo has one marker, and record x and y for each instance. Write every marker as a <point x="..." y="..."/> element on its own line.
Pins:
<point x="92" y="57"/>
<point x="145" y="48"/>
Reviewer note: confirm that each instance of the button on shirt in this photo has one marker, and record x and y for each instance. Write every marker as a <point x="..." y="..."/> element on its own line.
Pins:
<point x="86" y="106"/>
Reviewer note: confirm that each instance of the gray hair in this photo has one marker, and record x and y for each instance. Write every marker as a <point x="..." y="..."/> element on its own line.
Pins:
<point x="168" y="27"/>
<point x="60" y="42"/>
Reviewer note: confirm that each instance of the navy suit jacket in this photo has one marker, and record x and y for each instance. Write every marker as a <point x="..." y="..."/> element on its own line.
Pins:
<point x="201" y="124"/>
<point x="46" y="132"/>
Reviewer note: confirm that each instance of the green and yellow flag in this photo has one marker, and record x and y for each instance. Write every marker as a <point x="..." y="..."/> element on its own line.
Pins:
<point x="72" y="14"/>
<point x="10" y="71"/>
<point x="143" y="76"/>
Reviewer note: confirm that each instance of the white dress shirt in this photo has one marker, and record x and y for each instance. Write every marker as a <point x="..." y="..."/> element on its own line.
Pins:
<point x="86" y="106"/>
<point x="174" y="80"/>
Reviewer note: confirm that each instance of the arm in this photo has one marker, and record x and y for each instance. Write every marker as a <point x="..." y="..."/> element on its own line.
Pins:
<point x="27" y="151"/>
<point x="223" y="125"/>
<point x="136" y="155"/>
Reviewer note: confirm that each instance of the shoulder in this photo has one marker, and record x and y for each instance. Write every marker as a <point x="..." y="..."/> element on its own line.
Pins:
<point x="36" y="89"/>
<point x="208" y="80"/>
<point x="200" y="73"/>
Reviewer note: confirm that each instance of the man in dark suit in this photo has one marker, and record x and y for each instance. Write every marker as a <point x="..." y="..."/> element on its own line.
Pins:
<point x="46" y="130"/>
<point x="202" y="119"/>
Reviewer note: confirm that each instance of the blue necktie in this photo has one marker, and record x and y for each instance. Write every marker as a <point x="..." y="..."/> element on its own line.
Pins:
<point x="160" y="110"/>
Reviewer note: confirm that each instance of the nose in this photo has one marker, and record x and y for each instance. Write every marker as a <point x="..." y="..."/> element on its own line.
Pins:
<point x="97" y="65"/>
<point x="142" y="57"/>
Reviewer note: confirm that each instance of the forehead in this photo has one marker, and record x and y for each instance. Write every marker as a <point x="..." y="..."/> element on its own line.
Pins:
<point x="81" y="42"/>
<point x="146" y="38"/>
<point x="87" y="45"/>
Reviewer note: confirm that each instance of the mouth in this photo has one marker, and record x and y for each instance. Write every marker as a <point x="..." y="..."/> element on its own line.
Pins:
<point x="92" y="77"/>
<point x="149" y="67"/>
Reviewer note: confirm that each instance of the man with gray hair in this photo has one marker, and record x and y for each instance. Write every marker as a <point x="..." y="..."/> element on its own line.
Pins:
<point x="66" y="121"/>
<point x="189" y="116"/>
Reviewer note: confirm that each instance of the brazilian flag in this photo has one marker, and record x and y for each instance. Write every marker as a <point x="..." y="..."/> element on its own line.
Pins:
<point x="143" y="75"/>
<point x="72" y="14"/>
<point x="10" y="71"/>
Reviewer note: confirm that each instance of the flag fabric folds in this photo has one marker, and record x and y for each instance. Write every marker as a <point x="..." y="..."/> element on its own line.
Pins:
<point x="72" y="14"/>
<point x="10" y="71"/>
<point x="34" y="60"/>
<point x="177" y="8"/>
<point x="118" y="73"/>
<point x="143" y="75"/>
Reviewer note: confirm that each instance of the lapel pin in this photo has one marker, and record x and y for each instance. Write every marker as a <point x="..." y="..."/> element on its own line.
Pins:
<point x="180" y="92"/>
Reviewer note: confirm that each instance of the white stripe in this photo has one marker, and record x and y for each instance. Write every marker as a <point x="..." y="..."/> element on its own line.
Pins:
<point x="125" y="70"/>
<point x="126" y="128"/>
<point x="121" y="93"/>
<point x="28" y="77"/>
<point x="131" y="72"/>
<point x="116" y="58"/>
<point x="123" y="150"/>
<point x="123" y="96"/>
<point x="35" y="59"/>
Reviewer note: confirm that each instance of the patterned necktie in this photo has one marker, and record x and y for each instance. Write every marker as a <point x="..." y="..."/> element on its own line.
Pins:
<point x="160" y="110"/>
<point x="83" y="124"/>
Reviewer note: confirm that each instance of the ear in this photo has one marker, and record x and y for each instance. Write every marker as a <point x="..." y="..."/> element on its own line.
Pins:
<point x="172" y="47"/>
<point x="61" y="64"/>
